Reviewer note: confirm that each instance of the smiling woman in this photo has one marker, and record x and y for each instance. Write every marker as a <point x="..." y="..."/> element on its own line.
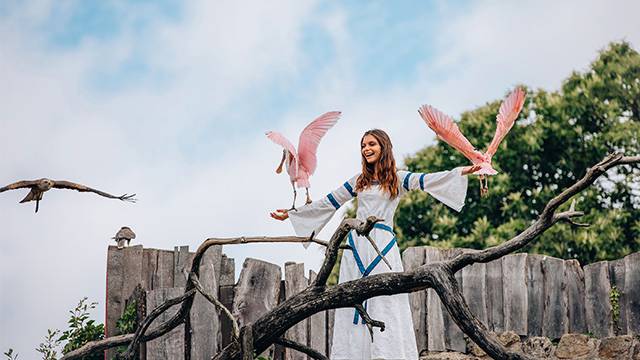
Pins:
<point x="378" y="187"/>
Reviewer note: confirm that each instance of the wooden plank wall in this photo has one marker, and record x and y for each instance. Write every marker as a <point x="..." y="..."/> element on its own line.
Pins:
<point x="532" y="295"/>
<point x="162" y="274"/>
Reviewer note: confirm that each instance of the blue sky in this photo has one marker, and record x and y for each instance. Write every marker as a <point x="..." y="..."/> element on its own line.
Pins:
<point x="171" y="100"/>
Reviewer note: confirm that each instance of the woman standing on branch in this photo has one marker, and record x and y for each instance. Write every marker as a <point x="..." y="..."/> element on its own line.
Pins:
<point x="378" y="188"/>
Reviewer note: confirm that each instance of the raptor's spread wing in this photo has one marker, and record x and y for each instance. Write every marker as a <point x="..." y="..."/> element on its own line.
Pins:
<point x="19" y="185"/>
<point x="61" y="184"/>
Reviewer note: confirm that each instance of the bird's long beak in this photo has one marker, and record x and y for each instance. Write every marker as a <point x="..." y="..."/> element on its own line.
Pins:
<point x="284" y="156"/>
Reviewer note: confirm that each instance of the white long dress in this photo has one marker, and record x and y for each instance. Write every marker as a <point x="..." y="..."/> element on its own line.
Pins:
<point x="351" y="338"/>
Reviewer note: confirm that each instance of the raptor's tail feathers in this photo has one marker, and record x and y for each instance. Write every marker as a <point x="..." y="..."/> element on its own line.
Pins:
<point x="32" y="196"/>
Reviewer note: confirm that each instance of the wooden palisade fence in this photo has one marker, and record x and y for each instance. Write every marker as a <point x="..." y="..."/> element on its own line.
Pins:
<point x="532" y="295"/>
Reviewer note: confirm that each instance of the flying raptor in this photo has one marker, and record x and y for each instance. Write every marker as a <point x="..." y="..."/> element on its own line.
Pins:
<point x="39" y="187"/>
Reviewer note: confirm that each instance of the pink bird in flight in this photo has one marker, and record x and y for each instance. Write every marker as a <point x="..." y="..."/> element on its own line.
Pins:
<point x="302" y="163"/>
<point x="448" y="131"/>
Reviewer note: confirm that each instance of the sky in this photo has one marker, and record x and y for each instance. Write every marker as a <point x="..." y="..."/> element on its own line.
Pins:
<point x="170" y="100"/>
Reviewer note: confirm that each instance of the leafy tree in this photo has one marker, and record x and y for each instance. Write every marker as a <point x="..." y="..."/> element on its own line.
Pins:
<point x="558" y="135"/>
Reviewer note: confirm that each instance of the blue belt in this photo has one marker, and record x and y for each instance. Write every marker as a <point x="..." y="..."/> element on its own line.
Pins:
<point x="366" y="271"/>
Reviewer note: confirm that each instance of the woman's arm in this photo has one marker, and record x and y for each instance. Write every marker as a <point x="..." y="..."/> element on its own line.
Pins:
<point x="448" y="187"/>
<point x="313" y="217"/>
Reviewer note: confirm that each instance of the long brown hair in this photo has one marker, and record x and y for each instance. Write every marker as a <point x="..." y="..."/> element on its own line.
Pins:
<point x="384" y="169"/>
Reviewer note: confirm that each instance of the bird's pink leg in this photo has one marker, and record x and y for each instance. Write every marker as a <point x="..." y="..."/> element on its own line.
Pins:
<point x="308" y="198"/>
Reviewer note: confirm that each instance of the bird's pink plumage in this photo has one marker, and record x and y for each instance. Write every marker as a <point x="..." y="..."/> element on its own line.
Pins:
<point x="447" y="130"/>
<point x="279" y="139"/>
<point x="310" y="138"/>
<point x="303" y="162"/>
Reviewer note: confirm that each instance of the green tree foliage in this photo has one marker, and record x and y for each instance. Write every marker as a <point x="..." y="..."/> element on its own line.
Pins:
<point x="128" y="321"/>
<point x="82" y="330"/>
<point x="48" y="347"/>
<point x="557" y="137"/>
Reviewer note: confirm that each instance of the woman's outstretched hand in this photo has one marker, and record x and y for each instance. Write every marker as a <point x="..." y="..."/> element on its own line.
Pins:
<point x="470" y="169"/>
<point x="280" y="214"/>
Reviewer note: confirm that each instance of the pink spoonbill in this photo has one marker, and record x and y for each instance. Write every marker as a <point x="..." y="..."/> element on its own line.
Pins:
<point x="448" y="131"/>
<point x="302" y="163"/>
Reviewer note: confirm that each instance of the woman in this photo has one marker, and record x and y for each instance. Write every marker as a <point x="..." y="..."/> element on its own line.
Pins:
<point x="378" y="188"/>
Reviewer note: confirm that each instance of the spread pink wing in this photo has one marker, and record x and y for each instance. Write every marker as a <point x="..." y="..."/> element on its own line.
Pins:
<point x="448" y="131"/>
<point x="279" y="139"/>
<point x="310" y="139"/>
<point x="507" y="115"/>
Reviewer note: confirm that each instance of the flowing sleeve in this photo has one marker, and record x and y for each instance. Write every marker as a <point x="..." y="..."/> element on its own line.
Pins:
<point x="448" y="187"/>
<point x="313" y="217"/>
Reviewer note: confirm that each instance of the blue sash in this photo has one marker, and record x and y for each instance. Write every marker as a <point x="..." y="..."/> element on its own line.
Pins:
<point x="366" y="271"/>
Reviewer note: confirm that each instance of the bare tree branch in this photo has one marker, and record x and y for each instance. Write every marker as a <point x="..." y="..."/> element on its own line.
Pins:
<point x="302" y="348"/>
<point x="194" y="278"/>
<point x="95" y="346"/>
<point x="445" y="284"/>
<point x="331" y="255"/>
<point x="151" y="317"/>
<point x="568" y="216"/>
<point x="629" y="160"/>
<point x="267" y="239"/>
<point x="368" y="320"/>
<point x="375" y="247"/>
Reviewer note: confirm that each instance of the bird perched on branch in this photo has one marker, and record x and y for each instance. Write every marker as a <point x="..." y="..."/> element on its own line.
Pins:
<point x="448" y="131"/>
<point x="302" y="163"/>
<point x="124" y="234"/>
<point x="39" y="187"/>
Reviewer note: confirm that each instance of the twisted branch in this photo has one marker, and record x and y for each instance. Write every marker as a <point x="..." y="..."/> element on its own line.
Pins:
<point x="445" y="284"/>
<point x="331" y="256"/>
<point x="368" y="320"/>
<point x="194" y="278"/>
<point x="267" y="239"/>
<point x="302" y="348"/>
<point x="151" y="317"/>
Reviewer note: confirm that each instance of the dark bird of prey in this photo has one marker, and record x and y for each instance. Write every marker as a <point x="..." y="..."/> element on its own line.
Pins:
<point x="38" y="188"/>
<point x="124" y="234"/>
